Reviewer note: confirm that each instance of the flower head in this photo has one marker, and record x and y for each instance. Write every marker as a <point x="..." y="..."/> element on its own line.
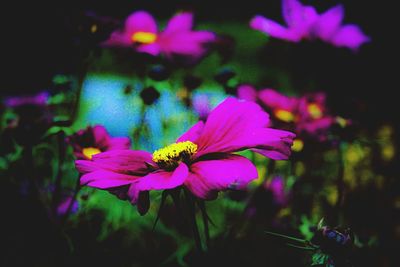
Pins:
<point x="202" y="159"/>
<point x="93" y="140"/>
<point x="141" y="31"/>
<point x="308" y="113"/>
<point x="303" y="22"/>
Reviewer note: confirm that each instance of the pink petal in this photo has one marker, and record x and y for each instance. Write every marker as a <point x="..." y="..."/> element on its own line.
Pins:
<point x="193" y="133"/>
<point x="152" y="49"/>
<point x="273" y="29"/>
<point x="118" y="143"/>
<point x="159" y="180"/>
<point x="329" y="22"/>
<point x="310" y="17"/>
<point x="180" y="22"/>
<point x="247" y="92"/>
<point x="188" y="43"/>
<point x="275" y="100"/>
<point x="140" y="21"/>
<point x="118" y="39"/>
<point x="272" y="143"/>
<point x="104" y="179"/>
<point x="101" y="136"/>
<point x="133" y="162"/>
<point x="209" y="176"/>
<point x="292" y="11"/>
<point x="350" y="36"/>
<point x="229" y="124"/>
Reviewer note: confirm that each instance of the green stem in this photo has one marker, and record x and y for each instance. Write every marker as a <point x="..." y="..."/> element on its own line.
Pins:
<point x="192" y="216"/>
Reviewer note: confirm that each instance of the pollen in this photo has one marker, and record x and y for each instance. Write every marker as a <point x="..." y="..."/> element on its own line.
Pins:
<point x="89" y="152"/>
<point x="284" y="115"/>
<point x="170" y="156"/>
<point x="315" y="111"/>
<point x="144" y="37"/>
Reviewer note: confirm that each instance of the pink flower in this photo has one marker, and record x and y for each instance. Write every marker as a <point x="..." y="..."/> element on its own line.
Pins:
<point x="93" y="140"/>
<point x="141" y="32"/>
<point x="308" y="113"/>
<point x="303" y="22"/>
<point x="202" y="159"/>
<point x="202" y="106"/>
<point x="283" y="108"/>
<point x="277" y="186"/>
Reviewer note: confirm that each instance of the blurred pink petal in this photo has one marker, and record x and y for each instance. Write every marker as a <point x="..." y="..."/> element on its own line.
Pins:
<point x="329" y="23"/>
<point x="350" y="36"/>
<point x="180" y="22"/>
<point x="273" y="29"/>
<point x="159" y="180"/>
<point x="140" y="21"/>
<point x="247" y="92"/>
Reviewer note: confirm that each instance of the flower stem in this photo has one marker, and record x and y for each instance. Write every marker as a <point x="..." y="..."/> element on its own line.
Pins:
<point x="204" y="214"/>
<point x="61" y="156"/>
<point x="71" y="203"/>
<point x="192" y="217"/>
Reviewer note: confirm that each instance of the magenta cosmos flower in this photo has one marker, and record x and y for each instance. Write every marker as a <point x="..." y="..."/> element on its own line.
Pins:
<point x="307" y="113"/>
<point x="202" y="159"/>
<point x="93" y="140"/>
<point x="178" y="37"/>
<point x="303" y="22"/>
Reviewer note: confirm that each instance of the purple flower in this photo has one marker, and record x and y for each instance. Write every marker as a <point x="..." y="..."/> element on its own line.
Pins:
<point x="39" y="99"/>
<point x="308" y="114"/>
<point x="202" y="159"/>
<point x="277" y="186"/>
<point x="141" y="32"/>
<point x="93" y="140"/>
<point x="303" y="22"/>
<point x="63" y="206"/>
<point x="202" y="106"/>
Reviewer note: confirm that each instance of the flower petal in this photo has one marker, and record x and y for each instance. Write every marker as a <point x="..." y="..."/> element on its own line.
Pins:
<point x="230" y="172"/>
<point x="159" y="180"/>
<point x="188" y="43"/>
<point x="329" y="22"/>
<point x="118" y="39"/>
<point x="193" y="133"/>
<point x="132" y="162"/>
<point x="101" y="136"/>
<point x="247" y="92"/>
<point x="273" y="29"/>
<point x="152" y="49"/>
<point x="228" y="123"/>
<point x="140" y="21"/>
<point x="274" y="100"/>
<point x="350" y="36"/>
<point x="182" y="21"/>
<point x="292" y="11"/>
<point x="104" y="179"/>
<point x="118" y="143"/>
<point x="272" y="143"/>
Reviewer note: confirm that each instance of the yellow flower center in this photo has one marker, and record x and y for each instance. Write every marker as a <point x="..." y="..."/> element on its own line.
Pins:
<point x="315" y="111"/>
<point x="89" y="152"/>
<point x="284" y="115"/>
<point x="298" y="145"/>
<point x="170" y="156"/>
<point x="144" y="37"/>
